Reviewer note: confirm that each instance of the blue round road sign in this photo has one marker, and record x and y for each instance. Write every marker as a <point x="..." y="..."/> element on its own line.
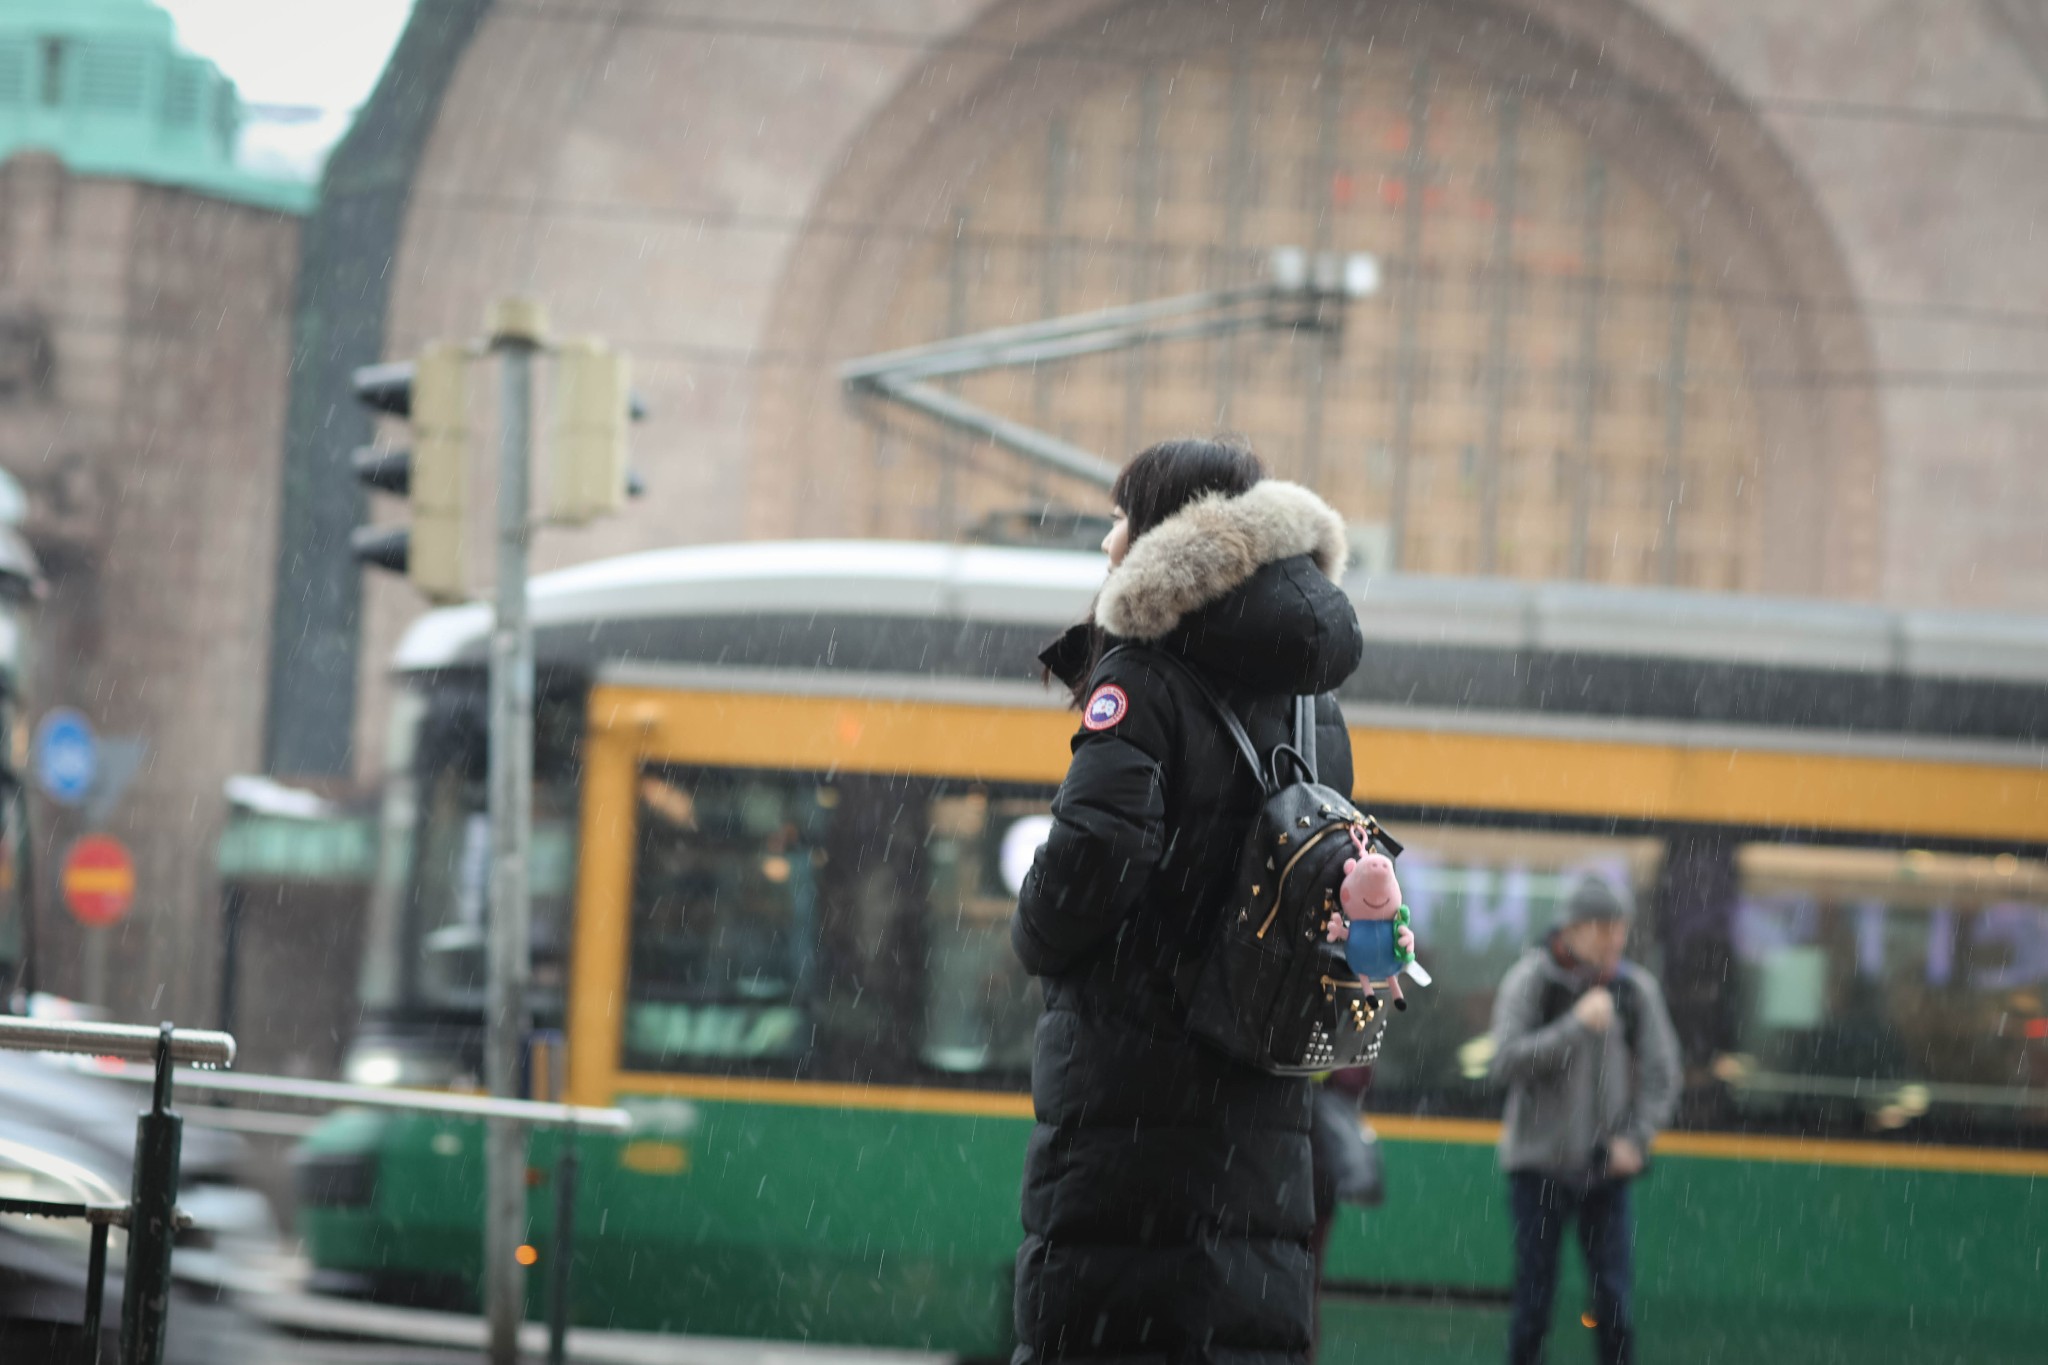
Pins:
<point x="67" y="756"/>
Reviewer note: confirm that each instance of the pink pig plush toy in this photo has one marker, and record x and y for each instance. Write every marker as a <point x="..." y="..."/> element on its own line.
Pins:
<point x="1373" y="927"/>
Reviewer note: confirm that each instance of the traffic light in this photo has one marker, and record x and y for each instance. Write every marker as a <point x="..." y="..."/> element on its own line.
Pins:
<point x="433" y="476"/>
<point x="593" y="404"/>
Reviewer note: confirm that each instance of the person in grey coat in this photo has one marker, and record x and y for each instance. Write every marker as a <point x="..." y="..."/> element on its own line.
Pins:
<point x="1585" y="1046"/>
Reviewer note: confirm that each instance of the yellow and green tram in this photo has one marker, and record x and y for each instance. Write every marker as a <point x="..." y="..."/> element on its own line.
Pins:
<point x="784" y="795"/>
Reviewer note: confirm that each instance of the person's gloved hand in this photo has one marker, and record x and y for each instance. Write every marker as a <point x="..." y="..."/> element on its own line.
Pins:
<point x="1595" y="1009"/>
<point x="1624" y="1158"/>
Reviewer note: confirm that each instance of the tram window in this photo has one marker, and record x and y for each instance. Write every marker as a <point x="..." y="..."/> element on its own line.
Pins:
<point x="1889" y="989"/>
<point x="429" y="940"/>
<point x="1478" y="898"/>
<point x="383" y="979"/>
<point x="980" y="1007"/>
<point x="852" y="927"/>
<point x="872" y="877"/>
<point x="723" y="917"/>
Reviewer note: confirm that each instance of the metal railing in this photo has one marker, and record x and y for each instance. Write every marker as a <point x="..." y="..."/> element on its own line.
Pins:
<point x="570" y="1118"/>
<point x="151" y="1213"/>
<point x="129" y="1042"/>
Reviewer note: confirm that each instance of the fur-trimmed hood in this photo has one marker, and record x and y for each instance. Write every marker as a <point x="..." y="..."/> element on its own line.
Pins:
<point x="1212" y="546"/>
<point x="1244" y="588"/>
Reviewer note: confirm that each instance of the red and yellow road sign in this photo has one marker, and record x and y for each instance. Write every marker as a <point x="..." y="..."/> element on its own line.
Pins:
<point x="99" y="880"/>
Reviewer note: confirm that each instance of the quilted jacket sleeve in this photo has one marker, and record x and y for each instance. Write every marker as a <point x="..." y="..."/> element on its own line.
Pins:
<point x="1108" y="821"/>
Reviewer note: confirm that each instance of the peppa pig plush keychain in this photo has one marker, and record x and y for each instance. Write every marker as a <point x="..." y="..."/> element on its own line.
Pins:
<point x="1373" y="926"/>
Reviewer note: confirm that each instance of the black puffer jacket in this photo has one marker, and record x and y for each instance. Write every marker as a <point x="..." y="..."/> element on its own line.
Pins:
<point x="1167" y="1204"/>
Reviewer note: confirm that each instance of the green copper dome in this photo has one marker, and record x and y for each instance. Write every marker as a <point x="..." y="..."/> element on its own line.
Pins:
<point x="101" y="85"/>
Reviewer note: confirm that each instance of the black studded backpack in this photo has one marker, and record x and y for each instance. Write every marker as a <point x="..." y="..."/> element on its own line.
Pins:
<point x="1272" y="990"/>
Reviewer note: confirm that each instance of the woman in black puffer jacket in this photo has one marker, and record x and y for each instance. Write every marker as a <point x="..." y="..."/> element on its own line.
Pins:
<point x="1167" y="1204"/>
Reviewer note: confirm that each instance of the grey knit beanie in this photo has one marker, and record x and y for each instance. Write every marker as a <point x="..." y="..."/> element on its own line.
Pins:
<point x="1595" y="898"/>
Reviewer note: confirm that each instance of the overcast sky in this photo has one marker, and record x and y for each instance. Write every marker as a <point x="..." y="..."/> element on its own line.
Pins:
<point x="318" y="52"/>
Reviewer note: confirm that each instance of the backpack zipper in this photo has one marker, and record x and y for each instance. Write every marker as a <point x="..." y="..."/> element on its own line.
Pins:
<point x="1281" y="886"/>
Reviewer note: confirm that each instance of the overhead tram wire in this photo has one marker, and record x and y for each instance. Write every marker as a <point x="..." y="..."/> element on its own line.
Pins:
<point x="1775" y="381"/>
<point x="770" y="223"/>
<point x="1112" y="53"/>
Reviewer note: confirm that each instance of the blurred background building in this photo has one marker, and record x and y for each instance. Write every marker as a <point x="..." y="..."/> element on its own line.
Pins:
<point x="1727" y="296"/>
<point x="145" y="306"/>
<point x="1730" y="296"/>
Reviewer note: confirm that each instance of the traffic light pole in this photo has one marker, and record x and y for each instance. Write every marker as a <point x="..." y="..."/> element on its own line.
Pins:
<point x="515" y="336"/>
<point x="593" y="404"/>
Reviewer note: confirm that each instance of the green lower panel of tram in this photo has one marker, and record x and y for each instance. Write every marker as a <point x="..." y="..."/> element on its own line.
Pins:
<point x="853" y="1226"/>
<point x="1737" y="1260"/>
<point x="888" y="1228"/>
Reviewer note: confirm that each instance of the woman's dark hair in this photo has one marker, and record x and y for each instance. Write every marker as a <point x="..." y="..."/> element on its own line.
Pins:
<point x="1162" y="479"/>
<point x="1159" y="481"/>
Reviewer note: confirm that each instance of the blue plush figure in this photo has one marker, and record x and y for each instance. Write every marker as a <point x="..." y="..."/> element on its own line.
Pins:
<point x="1373" y="927"/>
<point x="1370" y="948"/>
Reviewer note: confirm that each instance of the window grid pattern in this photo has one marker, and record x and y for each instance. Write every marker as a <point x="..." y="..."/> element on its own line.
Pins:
<point x="1576" y="399"/>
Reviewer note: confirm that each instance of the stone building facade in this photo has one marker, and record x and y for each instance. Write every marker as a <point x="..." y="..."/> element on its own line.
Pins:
<point x="1730" y="295"/>
<point x="146" y="294"/>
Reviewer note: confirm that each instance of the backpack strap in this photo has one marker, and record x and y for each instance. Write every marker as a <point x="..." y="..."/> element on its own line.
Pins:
<point x="1628" y="1006"/>
<point x="1224" y="713"/>
<point x="1305" y="733"/>
<point x="1301" y="754"/>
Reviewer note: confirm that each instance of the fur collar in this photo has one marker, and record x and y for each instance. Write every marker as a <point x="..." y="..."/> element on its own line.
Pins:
<point x="1211" y="546"/>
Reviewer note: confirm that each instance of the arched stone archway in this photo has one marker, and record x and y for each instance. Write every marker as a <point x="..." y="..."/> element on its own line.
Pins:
<point x="1645" y="393"/>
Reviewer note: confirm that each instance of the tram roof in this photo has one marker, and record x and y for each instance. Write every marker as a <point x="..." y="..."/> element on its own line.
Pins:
<point x="998" y="585"/>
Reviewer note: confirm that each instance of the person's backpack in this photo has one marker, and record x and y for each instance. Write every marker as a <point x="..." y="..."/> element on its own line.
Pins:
<point x="1272" y="990"/>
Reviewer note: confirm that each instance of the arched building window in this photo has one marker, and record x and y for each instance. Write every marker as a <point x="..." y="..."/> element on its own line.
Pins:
<point x="1585" y="360"/>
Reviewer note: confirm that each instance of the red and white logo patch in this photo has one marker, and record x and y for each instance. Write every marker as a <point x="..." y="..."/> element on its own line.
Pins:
<point x="1108" y="706"/>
